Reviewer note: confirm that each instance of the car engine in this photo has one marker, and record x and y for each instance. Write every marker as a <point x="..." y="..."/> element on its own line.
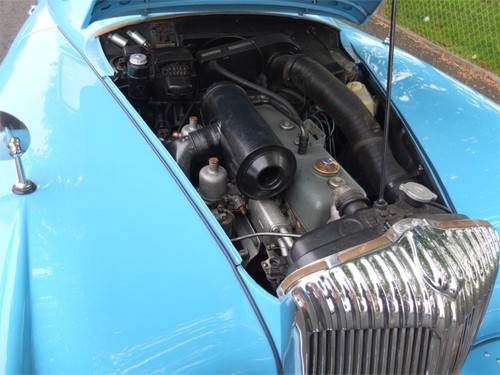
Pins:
<point x="279" y="130"/>
<point x="277" y="127"/>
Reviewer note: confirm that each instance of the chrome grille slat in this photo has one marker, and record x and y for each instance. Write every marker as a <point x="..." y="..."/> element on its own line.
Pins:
<point x="398" y="358"/>
<point x="384" y="344"/>
<point x="349" y="352"/>
<point x="341" y="342"/>
<point x="334" y="349"/>
<point x="407" y="352"/>
<point x="323" y="353"/>
<point x="425" y="350"/>
<point x="331" y="348"/>
<point x="367" y="350"/>
<point x="376" y="355"/>
<point x="413" y="306"/>
<point x="314" y="353"/>
<point x="466" y="340"/>
<point x="416" y="360"/>
<point x="393" y="359"/>
<point x="357" y="356"/>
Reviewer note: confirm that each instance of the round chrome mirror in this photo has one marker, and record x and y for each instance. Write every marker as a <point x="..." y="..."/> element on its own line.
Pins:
<point x="14" y="141"/>
<point x="12" y="127"/>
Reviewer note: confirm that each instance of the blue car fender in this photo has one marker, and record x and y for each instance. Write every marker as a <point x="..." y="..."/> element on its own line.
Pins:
<point x="109" y="266"/>
<point x="457" y="131"/>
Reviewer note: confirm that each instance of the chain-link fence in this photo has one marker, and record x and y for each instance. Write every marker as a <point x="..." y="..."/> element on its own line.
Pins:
<point x="468" y="28"/>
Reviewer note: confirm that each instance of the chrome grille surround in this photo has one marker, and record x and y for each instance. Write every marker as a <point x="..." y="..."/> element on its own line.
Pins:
<point x="408" y="302"/>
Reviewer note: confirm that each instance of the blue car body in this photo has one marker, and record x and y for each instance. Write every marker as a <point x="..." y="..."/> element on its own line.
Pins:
<point x="115" y="264"/>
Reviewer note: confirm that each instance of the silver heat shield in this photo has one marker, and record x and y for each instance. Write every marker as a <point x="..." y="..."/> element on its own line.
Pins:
<point x="410" y="301"/>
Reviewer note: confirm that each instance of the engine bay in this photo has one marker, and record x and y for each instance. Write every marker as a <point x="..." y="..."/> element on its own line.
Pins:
<point x="278" y="129"/>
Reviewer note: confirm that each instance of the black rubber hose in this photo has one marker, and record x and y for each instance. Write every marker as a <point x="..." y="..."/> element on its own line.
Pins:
<point x="291" y="112"/>
<point x="197" y="145"/>
<point x="349" y="114"/>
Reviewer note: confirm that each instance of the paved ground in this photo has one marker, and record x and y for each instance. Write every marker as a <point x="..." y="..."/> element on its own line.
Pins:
<point x="12" y="15"/>
<point x="14" y="12"/>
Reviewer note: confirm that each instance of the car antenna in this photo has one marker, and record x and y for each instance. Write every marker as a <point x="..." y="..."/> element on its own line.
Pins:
<point x="381" y="202"/>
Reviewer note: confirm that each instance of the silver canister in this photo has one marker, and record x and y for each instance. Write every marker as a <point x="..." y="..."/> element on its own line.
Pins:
<point x="213" y="181"/>
<point x="191" y="126"/>
<point x="138" y="74"/>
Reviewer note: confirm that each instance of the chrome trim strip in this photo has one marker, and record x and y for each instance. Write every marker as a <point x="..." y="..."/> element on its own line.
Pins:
<point x="390" y="237"/>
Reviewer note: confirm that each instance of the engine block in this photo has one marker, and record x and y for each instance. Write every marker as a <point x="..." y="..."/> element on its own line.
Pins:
<point x="310" y="193"/>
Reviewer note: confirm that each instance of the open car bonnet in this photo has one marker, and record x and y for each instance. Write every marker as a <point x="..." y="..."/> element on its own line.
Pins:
<point x="357" y="11"/>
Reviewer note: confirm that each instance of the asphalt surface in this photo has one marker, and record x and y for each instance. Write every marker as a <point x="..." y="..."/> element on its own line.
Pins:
<point x="14" y="12"/>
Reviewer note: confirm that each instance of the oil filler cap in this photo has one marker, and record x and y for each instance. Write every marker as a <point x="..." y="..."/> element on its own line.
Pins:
<point x="138" y="59"/>
<point x="416" y="192"/>
<point x="326" y="167"/>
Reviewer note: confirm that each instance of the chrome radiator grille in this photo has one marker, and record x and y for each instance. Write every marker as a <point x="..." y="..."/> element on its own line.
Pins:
<point x="408" y="302"/>
<point x="382" y="351"/>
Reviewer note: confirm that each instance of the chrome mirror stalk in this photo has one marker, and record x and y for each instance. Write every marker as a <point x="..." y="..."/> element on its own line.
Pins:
<point x="14" y="141"/>
<point x="22" y="186"/>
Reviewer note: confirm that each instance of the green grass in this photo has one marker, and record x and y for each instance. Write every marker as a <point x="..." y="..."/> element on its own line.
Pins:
<point x="468" y="28"/>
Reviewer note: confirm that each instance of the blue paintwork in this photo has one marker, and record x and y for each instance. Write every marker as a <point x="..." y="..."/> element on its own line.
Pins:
<point x="100" y="278"/>
<point x="15" y="322"/>
<point x="458" y="129"/>
<point x="357" y="11"/>
<point x="458" y="134"/>
<point x="94" y="273"/>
